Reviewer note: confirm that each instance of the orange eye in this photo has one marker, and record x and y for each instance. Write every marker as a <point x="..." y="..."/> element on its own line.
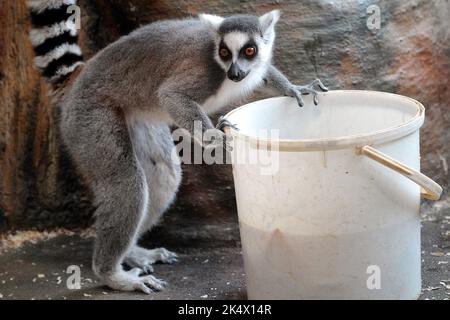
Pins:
<point x="224" y="53"/>
<point x="250" y="51"/>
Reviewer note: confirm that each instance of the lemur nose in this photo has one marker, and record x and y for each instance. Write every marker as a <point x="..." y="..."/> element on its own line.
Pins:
<point x="234" y="77"/>
<point x="235" y="74"/>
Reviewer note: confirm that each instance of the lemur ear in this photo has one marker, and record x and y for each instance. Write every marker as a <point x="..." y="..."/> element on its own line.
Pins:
<point x="212" y="20"/>
<point x="268" y="21"/>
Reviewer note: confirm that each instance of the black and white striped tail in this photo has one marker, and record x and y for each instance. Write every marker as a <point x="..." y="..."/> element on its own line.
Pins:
<point x="54" y="38"/>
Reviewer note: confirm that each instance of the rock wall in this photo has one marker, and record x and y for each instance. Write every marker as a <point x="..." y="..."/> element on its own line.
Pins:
<point x="408" y="54"/>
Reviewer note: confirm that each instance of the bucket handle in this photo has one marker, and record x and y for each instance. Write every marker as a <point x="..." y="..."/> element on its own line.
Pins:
<point x="429" y="188"/>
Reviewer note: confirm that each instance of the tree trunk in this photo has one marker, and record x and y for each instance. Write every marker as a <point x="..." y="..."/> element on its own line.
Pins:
<point x="38" y="187"/>
<point x="409" y="54"/>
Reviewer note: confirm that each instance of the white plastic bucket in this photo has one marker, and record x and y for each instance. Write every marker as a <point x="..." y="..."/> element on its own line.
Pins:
<point x="329" y="222"/>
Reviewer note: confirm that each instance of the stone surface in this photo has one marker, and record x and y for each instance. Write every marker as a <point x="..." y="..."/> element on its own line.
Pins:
<point x="210" y="265"/>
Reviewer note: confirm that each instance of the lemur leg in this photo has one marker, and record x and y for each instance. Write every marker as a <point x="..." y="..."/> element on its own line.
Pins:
<point x="103" y="152"/>
<point x="189" y="115"/>
<point x="153" y="146"/>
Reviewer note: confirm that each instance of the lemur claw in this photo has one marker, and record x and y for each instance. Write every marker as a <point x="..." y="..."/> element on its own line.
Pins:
<point x="226" y="139"/>
<point x="298" y="96"/>
<point x="219" y="140"/>
<point x="309" y="89"/>
<point x="148" y="269"/>
<point x="320" y="84"/>
<point x="222" y="123"/>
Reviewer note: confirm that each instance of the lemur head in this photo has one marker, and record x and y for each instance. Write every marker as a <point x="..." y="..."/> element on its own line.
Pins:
<point x="243" y="42"/>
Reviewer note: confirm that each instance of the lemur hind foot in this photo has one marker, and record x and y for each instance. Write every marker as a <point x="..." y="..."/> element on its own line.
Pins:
<point x="133" y="281"/>
<point x="138" y="257"/>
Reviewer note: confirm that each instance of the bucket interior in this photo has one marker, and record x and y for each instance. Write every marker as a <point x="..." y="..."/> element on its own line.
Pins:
<point x="339" y="114"/>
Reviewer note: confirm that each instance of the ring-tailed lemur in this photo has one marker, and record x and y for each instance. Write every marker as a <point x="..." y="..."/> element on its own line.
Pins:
<point x="116" y="110"/>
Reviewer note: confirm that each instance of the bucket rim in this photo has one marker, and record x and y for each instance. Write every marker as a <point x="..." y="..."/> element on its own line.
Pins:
<point x="340" y="142"/>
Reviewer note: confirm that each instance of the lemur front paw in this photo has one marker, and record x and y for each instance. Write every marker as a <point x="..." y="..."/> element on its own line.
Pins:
<point x="297" y="91"/>
<point x="215" y="138"/>
<point x="132" y="281"/>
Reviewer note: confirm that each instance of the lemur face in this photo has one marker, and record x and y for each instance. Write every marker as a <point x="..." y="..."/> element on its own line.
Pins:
<point x="243" y="43"/>
<point x="239" y="53"/>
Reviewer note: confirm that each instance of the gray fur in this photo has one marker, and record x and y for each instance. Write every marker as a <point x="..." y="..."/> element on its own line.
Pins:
<point x="240" y="22"/>
<point x="115" y="124"/>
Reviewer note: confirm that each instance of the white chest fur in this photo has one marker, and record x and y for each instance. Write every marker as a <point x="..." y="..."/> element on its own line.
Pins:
<point x="230" y="91"/>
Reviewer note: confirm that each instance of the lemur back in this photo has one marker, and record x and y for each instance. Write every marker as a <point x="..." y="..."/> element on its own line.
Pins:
<point x="131" y="70"/>
<point x="116" y="112"/>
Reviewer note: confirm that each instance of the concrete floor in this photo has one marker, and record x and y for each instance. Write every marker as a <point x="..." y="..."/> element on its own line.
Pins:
<point x="210" y="265"/>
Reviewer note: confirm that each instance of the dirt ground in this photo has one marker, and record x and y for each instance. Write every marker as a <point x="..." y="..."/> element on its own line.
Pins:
<point x="210" y="265"/>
